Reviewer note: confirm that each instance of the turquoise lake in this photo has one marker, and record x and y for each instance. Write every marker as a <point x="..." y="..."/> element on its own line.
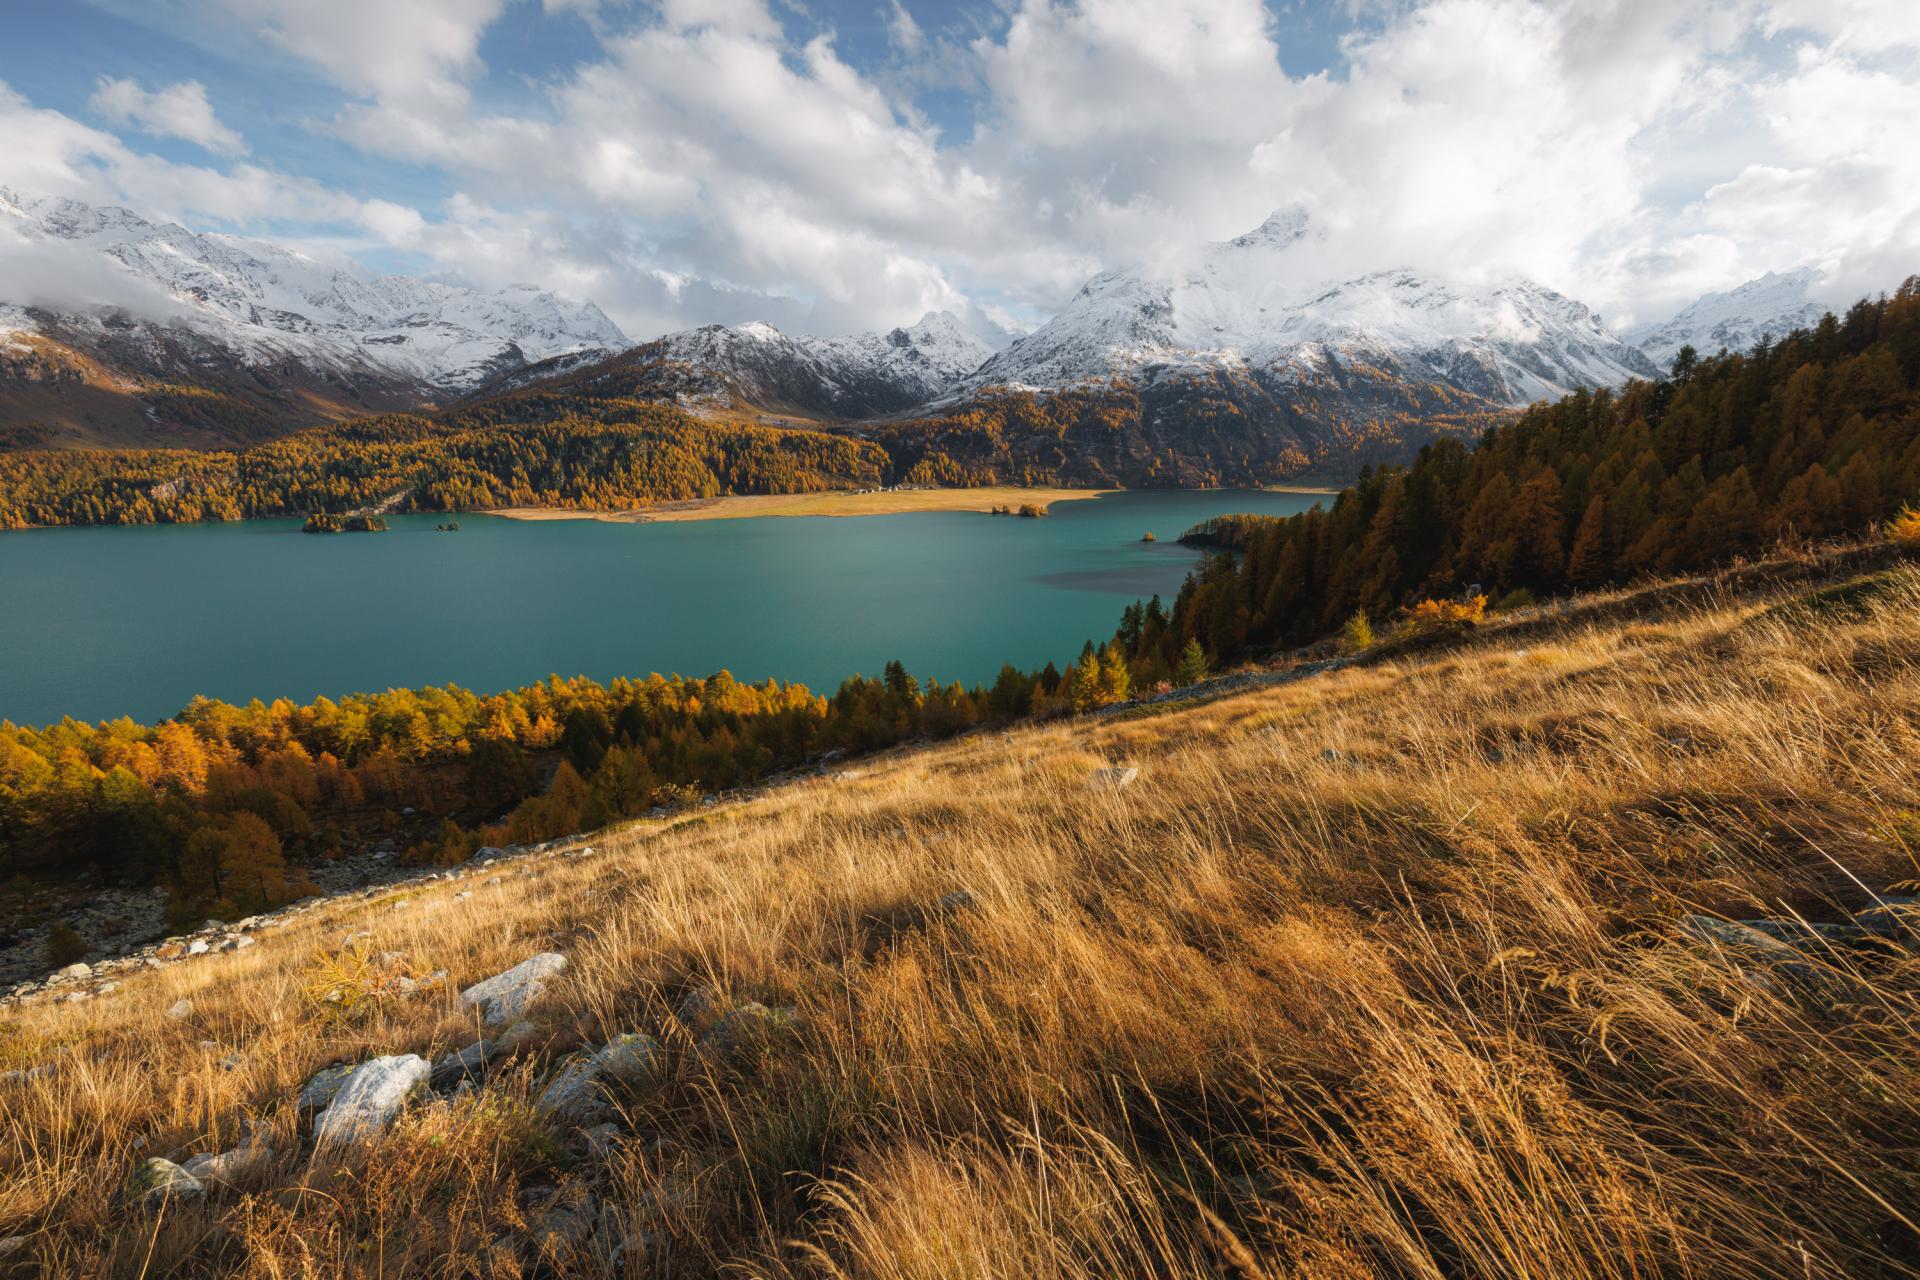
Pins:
<point x="102" y="622"/>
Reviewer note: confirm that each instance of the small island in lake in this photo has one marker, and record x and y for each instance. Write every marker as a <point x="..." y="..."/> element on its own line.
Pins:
<point x="1148" y="537"/>
<point x="451" y="526"/>
<point x="327" y="522"/>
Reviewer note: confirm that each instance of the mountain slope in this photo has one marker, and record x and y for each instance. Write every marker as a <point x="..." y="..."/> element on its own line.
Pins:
<point x="1253" y="307"/>
<point x="278" y="334"/>
<point x="755" y="368"/>
<point x="1773" y="305"/>
<point x="1247" y="365"/>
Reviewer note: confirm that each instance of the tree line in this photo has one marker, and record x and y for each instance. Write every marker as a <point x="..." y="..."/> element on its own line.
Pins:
<point x="1812" y="436"/>
<point x="228" y="804"/>
<point x="400" y="462"/>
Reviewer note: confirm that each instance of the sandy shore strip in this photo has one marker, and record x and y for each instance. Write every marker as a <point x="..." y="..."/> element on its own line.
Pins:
<point x="878" y="502"/>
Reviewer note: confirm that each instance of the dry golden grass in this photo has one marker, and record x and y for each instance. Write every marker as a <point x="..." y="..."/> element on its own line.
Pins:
<point x="1419" y="1008"/>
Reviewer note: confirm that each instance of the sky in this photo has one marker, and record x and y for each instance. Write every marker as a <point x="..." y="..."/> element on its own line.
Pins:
<point x="832" y="166"/>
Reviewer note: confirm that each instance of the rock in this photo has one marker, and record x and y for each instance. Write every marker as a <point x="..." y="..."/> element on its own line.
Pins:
<point x="958" y="900"/>
<point x="318" y="1092"/>
<point x="156" y="1181"/>
<point x="629" y="1057"/>
<point x="1113" y="779"/>
<point x="370" y="1099"/>
<point x="198" y="947"/>
<point x="180" y="1010"/>
<point x="566" y="1227"/>
<point x="232" y="1062"/>
<point x="451" y="1068"/>
<point x="510" y="1040"/>
<point x="230" y="1166"/>
<point x="504" y="997"/>
<point x="11" y="1246"/>
<point x="1760" y="958"/>
<point x="573" y="1093"/>
<point x="603" y="1140"/>
<point x="236" y="942"/>
<point x="75" y="971"/>
<point x="1891" y="917"/>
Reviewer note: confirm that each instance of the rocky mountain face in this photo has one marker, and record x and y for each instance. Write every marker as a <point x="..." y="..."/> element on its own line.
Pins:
<point x="1771" y="306"/>
<point x="269" y="335"/>
<point x="864" y="376"/>
<point x="1249" y="353"/>
<point x="1254" y="307"/>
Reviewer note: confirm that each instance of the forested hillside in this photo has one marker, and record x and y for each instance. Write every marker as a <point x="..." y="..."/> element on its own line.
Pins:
<point x="226" y="804"/>
<point x="637" y="453"/>
<point x="1813" y="436"/>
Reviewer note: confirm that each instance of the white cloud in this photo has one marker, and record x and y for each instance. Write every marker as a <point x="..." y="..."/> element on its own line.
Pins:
<point x="708" y="164"/>
<point x="177" y="111"/>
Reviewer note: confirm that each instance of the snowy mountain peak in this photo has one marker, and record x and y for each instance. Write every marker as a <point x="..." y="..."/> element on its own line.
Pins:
<point x="1269" y="320"/>
<point x="264" y="306"/>
<point x="848" y="377"/>
<point x="1769" y="306"/>
<point x="1282" y="228"/>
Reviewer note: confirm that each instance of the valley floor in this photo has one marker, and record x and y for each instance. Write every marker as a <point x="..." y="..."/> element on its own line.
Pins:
<point x="1423" y="966"/>
<point x="868" y="502"/>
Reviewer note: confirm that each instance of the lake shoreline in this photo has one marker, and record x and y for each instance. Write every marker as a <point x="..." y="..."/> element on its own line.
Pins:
<point x="836" y="503"/>
<point x="841" y="504"/>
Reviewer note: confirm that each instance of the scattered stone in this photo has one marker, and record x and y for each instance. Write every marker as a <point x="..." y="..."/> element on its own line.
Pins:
<point x="505" y="996"/>
<point x="629" y="1057"/>
<point x="370" y="1098"/>
<point x="603" y="1140"/>
<point x="230" y="1166"/>
<point x="467" y="1063"/>
<point x="75" y="971"/>
<point x="566" y="1227"/>
<point x="11" y="1245"/>
<point x="1113" y="779"/>
<point x="464" y="893"/>
<point x="318" y="1093"/>
<point x="157" y="1180"/>
<point x="236" y="942"/>
<point x="573" y="1094"/>
<point x="231" y="1062"/>
<point x="697" y="1008"/>
<point x="198" y="947"/>
<point x="1772" y="958"/>
<point x="1891" y="917"/>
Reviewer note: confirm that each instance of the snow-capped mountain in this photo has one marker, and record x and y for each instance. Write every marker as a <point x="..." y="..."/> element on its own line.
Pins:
<point x="1256" y="307"/>
<point x="168" y="303"/>
<point x="1774" y="305"/>
<point x="755" y="366"/>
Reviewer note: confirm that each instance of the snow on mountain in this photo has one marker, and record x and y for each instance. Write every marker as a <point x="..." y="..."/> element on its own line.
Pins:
<point x="268" y="308"/>
<point x="847" y="377"/>
<point x="1773" y="305"/>
<point x="1256" y="307"/>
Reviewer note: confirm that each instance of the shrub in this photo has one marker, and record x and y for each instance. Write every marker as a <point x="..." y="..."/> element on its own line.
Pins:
<point x="64" y="946"/>
<point x="1904" y="527"/>
<point x="1357" y="633"/>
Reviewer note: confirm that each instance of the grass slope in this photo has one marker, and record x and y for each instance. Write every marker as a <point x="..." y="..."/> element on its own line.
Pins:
<point x="1377" y="972"/>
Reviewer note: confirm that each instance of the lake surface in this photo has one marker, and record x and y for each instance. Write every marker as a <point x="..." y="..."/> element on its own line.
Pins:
<point x="102" y="622"/>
